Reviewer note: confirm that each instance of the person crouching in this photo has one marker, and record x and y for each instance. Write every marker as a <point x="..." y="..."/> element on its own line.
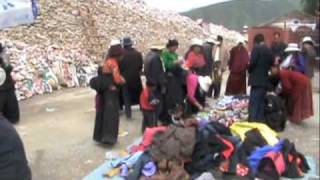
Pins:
<point x="148" y="103"/>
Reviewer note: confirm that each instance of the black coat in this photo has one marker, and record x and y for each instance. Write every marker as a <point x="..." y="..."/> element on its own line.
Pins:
<point x="107" y="114"/>
<point x="154" y="69"/>
<point x="8" y="84"/>
<point x="13" y="161"/>
<point x="260" y="63"/>
<point x="9" y="106"/>
<point x="131" y="68"/>
<point x="207" y="51"/>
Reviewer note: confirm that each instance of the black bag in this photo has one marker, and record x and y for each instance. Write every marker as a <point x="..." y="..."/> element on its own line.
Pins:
<point x="275" y="112"/>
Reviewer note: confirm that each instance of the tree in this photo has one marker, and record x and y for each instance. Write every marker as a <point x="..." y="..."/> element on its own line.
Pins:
<point x="310" y="6"/>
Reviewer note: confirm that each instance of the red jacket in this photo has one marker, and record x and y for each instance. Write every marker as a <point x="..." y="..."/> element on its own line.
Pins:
<point x="145" y="100"/>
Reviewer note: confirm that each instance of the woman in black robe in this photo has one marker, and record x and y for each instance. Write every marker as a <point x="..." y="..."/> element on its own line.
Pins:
<point x="9" y="106"/>
<point x="107" y="108"/>
<point x="107" y="100"/>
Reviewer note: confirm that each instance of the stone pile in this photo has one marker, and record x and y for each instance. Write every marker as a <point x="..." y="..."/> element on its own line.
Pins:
<point x="81" y="30"/>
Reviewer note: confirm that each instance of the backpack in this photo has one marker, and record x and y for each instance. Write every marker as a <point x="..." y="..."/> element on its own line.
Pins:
<point x="275" y="112"/>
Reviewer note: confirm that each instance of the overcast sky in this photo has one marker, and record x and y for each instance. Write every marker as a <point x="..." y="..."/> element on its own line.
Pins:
<point x="180" y="5"/>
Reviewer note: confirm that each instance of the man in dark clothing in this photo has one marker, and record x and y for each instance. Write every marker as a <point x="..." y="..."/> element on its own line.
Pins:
<point x="277" y="48"/>
<point x="131" y="68"/>
<point x="9" y="106"/>
<point x="13" y="161"/>
<point x="260" y="63"/>
<point x="155" y="74"/>
<point x="207" y="52"/>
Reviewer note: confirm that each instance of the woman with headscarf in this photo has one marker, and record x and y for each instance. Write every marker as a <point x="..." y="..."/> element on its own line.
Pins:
<point x="294" y="61"/>
<point x="195" y="58"/>
<point x="239" y="60"/>
<point x="107" y="100"/>
<point x="309" y="53"/>
<point x="9" y="106"/>
<point x="297" y="87"/>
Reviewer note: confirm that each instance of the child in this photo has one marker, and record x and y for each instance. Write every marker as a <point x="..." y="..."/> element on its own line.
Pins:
<point x="148" y="103"/>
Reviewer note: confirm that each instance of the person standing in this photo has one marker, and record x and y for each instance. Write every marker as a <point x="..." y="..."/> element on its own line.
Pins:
<point x="309" y="53"/>
<point x="208" y="47"/>
<point x="260" y="63"/>
<point x="170" y="57"/>
<point x="277" y="48"/>
<point x="297" y="87"/>
<point x="207" y="53"/>
<point x="239" y="60"/>
<point x="13" y="161"/>
<point x="148" y="103"/>
<point x="155" y="74"/>
<point x="131" y="69"/>
<point x="107" y="99"/>
<point x="9" y="106"/>
<point x="294" y="61"/>
<point x="221" y="56"/>
<point x="195" y="59"/>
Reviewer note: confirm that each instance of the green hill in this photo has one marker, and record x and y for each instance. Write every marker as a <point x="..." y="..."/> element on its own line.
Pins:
<point x="237" y="13"/>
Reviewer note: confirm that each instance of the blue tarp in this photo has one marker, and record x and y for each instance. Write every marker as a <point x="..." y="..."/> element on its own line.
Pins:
<point x="18" y="12"/>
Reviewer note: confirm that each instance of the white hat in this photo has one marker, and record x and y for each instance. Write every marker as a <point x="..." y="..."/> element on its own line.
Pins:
<point x="205" y="82"/>
<point x="115" y="42"/>
<point x="240" y="40"/>
<point x="3" y="76"/>
<point x="211" y="40"/>
<point x="292" y="47"/>
<point x="157" y="47"/>
<point x="196" y="42"/>
<point x="307" y="39"/>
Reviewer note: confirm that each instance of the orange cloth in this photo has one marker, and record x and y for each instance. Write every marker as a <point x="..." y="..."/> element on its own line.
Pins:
<point x="111" y="67"/>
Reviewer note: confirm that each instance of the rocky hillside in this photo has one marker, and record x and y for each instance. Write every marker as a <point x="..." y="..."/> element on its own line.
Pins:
<point x="70" y="34"/>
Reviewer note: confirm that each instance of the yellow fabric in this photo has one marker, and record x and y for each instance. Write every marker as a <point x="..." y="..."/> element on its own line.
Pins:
<point x="240" y="129"/>
<point x="113" y="173"/>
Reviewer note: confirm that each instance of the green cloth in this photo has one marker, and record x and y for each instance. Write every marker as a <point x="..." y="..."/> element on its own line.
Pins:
<point x="169" y="59"/>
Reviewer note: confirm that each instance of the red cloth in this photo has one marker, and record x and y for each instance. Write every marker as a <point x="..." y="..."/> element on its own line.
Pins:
<point x="239" y="60"/>
<point x="298" y="87"/>
<point x="148" y="138"/>
<point x="278" y="160"/>
<point x="144" y="100"/>
<point x="229" y="151"/>
<point x="236" y="84"/>
<point x="195" y="61"/>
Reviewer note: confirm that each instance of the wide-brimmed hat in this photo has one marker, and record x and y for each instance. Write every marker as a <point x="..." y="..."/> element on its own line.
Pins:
<point x="307" y="39"/>
<point x="3" y="76"/>
<point x="196" y="42"/>
<point x="127" y="41"/>
<point x="157" y="47"/>
<point x="115" y="42"/>
<point x="292" y="47"/>
<point x="205" y="82"/>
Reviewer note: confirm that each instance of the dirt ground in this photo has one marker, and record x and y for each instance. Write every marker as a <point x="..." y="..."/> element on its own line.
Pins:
<point x="57" y="133"/>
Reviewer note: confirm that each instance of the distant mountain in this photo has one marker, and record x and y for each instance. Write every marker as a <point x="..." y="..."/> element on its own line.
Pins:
<point x="237" y="13"/>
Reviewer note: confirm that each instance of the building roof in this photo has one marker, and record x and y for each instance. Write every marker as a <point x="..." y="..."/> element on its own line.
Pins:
<point x="296" y="14"/>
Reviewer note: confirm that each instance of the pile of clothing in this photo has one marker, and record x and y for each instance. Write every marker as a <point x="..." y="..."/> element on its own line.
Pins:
<point x="190" y="151"/>
<point x="226" y="110"/>
<point x="40" y="70"/>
